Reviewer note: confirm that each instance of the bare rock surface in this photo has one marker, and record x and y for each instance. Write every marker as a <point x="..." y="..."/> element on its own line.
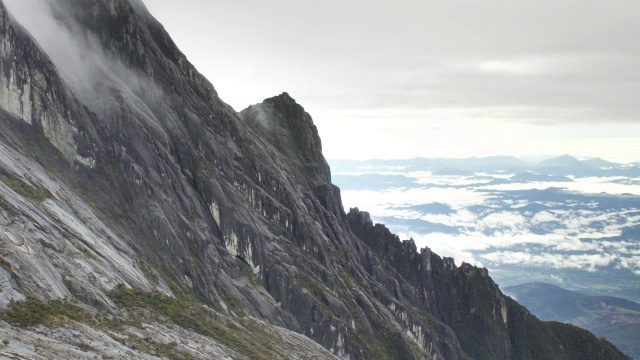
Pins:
<point x="142" y="217"/>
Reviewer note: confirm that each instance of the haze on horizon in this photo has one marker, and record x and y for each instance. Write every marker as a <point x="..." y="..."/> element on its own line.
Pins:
<point x="430" y="79"/>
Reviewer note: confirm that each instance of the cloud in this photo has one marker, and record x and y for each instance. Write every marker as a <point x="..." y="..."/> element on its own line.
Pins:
<point x="511" y="220"/>
<point x="574" y="232"/>
<point x="517" y="67"/>
<point x="571" y="247"/>
<point x="427" y="177"/>
<point x="378" y="201"/>
<point x="542" y="217"/>
<point x="583" y="185"/>
<point x="91" y="71"/>
<point x="557" y="261"/>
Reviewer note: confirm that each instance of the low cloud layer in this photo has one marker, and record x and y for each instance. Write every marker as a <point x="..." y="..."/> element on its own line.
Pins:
<point x="586" y="224"/>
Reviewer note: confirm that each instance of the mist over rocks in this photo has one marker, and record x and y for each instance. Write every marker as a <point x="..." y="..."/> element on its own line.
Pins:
<point x="137" y="207"/>
<point x="290" y="128"/>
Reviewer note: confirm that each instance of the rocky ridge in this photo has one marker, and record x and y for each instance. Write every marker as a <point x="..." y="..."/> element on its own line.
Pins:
<point x="168" y="223"/>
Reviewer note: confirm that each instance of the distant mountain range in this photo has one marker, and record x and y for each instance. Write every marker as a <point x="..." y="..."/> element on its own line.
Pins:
<point x="564" y="165"/>
<point x="616" y="319"/>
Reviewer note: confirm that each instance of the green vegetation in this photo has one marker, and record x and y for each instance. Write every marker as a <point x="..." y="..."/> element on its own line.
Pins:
<point x="31" y="312"/>
<point x="130" y="298"/>
<point x="241" y="334"/>
<point x="85" y="251"/>
<point x="196" y="260"/>
<point x="387" y="342"/>
<point x="392" y="342"/>
<point x="26" y="191"/>
<point x="616" y="319"/>
<point x="233" y="304"/>
<point x="193" y="167"/>
<point x="580" y="344"/>
<point x="625" y="335"/>
<point x="6" y="265"/>
<point x="317" y="290"/>
<point x="159" y="349"/>
<point x="244" y="335"/>
<point x="534" y="339"/>
<point x="530" y="338"/>
<point x="47" y="245"/>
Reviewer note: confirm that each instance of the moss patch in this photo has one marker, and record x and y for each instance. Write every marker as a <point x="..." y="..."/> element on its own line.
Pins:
<point x="241" y="334"/>
<point x="31" y="312"/>
<point x="26" y="191"/>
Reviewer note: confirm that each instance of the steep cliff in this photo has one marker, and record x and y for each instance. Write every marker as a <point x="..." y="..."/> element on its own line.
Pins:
<point x="142" y="216"/>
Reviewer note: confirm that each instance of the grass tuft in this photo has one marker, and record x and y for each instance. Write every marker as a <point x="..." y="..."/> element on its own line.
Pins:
<point x="26" y="191"/>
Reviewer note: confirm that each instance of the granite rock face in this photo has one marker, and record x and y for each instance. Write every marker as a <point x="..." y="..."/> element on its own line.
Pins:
<point x="123" y="173"/>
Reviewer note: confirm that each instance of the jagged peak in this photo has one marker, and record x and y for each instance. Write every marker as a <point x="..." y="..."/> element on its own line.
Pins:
<point x="292" y="128"/>
<point x="284" y="96"/>
<point x="283" y="103"/>
<point x="363" y="217"/>
<point x="139" y="6"/>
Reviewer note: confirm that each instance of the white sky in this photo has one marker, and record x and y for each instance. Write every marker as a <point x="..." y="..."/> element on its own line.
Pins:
<point x="408" y="78"/>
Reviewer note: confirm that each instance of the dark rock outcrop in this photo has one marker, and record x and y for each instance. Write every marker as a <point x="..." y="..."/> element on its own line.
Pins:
<point x="159" y="185"/>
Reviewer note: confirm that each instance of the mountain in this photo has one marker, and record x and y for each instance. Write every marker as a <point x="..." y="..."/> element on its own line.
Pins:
<point x="561" y="166"/>
<point x="526" y="177"/>
<point x="568" y="165"/>
<point x="446" y="166"/>
<point x="142" y="217"/>
<point x="600" y="163"/>
<point x="565" y="165"/>
<point x="564" y="161"/>
<point x="616" y="319"/>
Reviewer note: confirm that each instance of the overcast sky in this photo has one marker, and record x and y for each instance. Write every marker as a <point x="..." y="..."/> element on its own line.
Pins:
<point x="407" y="78"/>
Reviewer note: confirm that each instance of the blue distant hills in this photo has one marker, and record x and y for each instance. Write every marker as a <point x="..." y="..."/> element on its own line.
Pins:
<point x="616" y="319"/>
<point x="565" y="165"/>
